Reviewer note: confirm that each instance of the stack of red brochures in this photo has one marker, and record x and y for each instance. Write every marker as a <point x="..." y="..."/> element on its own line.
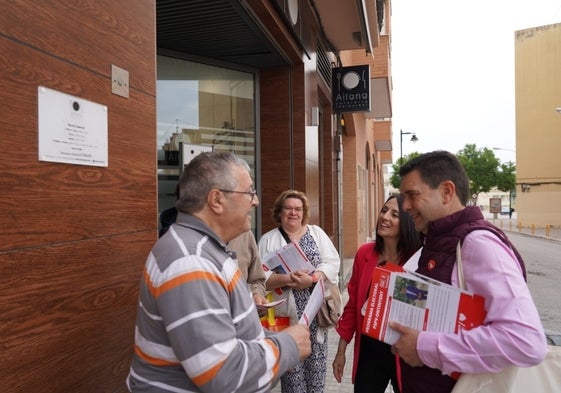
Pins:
<point x="419" y="302"/>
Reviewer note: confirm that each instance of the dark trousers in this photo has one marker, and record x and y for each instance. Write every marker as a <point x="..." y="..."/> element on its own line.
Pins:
<point x="376" y="367"/>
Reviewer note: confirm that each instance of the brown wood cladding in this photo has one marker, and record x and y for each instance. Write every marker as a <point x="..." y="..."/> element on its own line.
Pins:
<point x="300" y="145"/>
<point x="275" y="138"/>
<point x="290" y="156"/>
<point x="328" y="199"/>
<point x="90" y="35"/>
<point x="68" y="314"/>
<point x="74" y="238"/>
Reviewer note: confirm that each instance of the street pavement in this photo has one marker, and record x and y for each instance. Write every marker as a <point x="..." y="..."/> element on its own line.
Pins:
<point x="332" y="386"/>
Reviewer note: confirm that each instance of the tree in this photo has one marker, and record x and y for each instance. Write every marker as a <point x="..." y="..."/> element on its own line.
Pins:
<point x="395" y="179"/>
<point x="482" y="168"/>
<point x="506" y="180"/>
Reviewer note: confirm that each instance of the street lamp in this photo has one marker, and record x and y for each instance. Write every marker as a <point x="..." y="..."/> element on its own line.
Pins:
<point x="502" y="148"/>
<point x="413" y="139"/>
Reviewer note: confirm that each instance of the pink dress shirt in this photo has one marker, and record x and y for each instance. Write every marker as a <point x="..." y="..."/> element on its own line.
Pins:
<point x="512" y="332"/>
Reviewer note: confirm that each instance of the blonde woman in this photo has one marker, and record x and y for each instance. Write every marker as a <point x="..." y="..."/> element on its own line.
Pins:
<point x="291" y="212"/>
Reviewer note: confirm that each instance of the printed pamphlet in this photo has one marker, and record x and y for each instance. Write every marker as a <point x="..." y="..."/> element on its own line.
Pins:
<point x="289" y="258"/>
<point x="314" y="304"/>
<point x="419" y="302"/>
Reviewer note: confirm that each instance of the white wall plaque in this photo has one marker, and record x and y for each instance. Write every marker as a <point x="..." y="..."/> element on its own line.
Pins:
<point x="71" y="130"/>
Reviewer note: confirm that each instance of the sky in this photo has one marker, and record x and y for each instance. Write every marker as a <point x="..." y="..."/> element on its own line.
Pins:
<point x="453" y="71"/>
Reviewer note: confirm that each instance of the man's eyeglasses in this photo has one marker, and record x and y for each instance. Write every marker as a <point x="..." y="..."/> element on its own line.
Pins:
<point x="251" y="193"/>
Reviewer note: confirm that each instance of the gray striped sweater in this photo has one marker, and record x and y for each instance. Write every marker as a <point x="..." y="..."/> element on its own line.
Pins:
<point x="197" y="328"/>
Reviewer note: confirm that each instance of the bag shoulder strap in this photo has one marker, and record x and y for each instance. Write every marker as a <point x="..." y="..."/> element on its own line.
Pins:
<point x="284" y="234"/>
<point x="460" y="267"/>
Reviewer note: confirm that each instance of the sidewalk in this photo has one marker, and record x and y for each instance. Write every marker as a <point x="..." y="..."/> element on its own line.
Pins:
<point x="512" y="225"/>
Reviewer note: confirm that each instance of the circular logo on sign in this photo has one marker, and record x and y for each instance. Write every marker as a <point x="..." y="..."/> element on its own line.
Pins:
<point x="351" y="80"/>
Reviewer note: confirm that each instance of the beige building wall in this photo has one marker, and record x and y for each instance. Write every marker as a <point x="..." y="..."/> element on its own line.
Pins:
<point x="538" y="125"/>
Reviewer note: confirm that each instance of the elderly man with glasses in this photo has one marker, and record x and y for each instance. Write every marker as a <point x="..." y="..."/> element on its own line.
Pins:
<point x="197" y="328"/>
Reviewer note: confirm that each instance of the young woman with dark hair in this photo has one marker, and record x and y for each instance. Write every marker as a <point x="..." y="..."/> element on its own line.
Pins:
<point x="374" y="366"/>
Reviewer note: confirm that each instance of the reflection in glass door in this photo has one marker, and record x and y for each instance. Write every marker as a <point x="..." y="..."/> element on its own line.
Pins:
<point x="202" y="105"/>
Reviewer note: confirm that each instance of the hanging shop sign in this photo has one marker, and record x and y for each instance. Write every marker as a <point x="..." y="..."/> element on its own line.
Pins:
<point x="351" y="89"/>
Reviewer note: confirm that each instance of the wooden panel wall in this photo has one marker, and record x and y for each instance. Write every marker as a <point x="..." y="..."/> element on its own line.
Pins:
<point x="74" y="238"/>
<point x="291" y="155"/>
<point x="328" y="166"/>
<point x="276" y="154"/>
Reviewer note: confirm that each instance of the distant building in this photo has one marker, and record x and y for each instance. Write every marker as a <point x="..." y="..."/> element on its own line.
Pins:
<point x="484" y="198"/>
<point x="538" y="125"/>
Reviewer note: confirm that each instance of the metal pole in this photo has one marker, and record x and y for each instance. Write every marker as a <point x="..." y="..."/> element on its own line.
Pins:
<point x="510" y="203"/>
<point x="400" y="147"/>
<point x="339" y="163"/>
<point x="413" y="139"/>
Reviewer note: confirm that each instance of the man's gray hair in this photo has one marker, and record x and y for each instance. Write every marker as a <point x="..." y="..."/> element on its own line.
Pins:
<point x="206" y="171"/>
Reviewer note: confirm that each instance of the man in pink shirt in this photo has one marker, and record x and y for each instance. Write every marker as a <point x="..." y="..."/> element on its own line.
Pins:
<point x="435" y="188"/>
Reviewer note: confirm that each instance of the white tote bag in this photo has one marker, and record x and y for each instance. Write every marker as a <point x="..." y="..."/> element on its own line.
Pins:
<point x="543" y="378"/>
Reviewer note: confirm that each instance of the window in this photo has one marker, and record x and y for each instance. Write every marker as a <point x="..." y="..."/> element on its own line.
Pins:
<point x="203" y="105"/>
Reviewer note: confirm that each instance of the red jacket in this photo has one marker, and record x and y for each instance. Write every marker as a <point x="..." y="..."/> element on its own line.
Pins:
<point x="350" y="323"/>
